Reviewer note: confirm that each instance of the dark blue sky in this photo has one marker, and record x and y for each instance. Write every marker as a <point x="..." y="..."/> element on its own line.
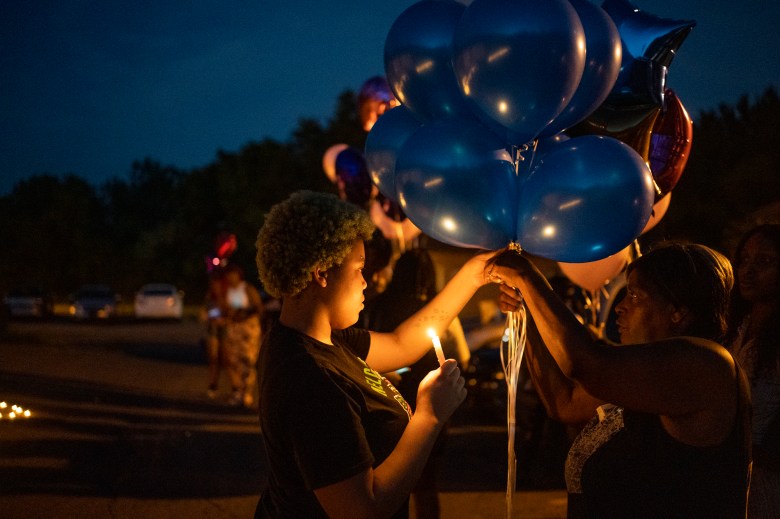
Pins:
<point x="90" y="86"/>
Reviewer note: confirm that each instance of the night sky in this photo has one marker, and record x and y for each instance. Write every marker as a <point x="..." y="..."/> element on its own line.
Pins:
<point x="87" y="87"/>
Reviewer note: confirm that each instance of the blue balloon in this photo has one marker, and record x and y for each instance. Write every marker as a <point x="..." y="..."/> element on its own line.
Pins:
<point x="374" y="99"/>
<point x="602" y="64"/>
<point x="649" y="46"/>
<point x="587" y="199"/>
<point x="457" y="183"/>
<point x="418" y="59"/>
<point x="384" y="140"/>
<point x="550" y="144"/>
<point x="518" y="63"/>
<point x="352" y="177"/>
<point x="529" y="156"/>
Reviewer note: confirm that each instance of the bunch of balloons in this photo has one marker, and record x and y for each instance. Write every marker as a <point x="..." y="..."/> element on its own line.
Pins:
<point x="475" y="155"/>
<point x="374" y="99"/>
<point x="346" y="167"/>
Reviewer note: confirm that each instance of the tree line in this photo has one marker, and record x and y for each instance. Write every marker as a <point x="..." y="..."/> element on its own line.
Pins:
<point x="160" y="222"/>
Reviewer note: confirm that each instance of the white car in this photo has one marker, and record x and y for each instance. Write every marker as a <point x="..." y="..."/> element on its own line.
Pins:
<point x="159" y="301"/>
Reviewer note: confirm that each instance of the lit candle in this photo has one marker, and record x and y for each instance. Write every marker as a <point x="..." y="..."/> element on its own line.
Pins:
<point x="436" y="345"/>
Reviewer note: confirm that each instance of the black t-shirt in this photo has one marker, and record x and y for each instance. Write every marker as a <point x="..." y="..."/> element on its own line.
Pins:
<point x="624" y="464"/>
<point x="325" y="416"/>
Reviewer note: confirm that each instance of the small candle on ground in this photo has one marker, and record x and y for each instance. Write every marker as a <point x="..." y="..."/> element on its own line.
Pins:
<point x="436" y="345"/>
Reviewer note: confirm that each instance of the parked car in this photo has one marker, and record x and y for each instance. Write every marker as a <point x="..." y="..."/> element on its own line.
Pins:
<point x="28" y="302"/>
<point x="93" y="302"/>
<point x="159" y="301"/>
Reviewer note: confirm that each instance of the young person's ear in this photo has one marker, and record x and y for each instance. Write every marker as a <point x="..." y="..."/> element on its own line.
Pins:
<point x="320" y="277"/>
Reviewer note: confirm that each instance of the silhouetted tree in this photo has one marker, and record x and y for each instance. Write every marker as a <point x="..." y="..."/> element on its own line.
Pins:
<point x="733" y="172"/>
<point x="139" y="213"/>
<point x="53" y="234"/>
<point x="160" y="223"/>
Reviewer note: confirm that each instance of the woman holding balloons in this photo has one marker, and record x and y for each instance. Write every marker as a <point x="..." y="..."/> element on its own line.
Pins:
<point x="670" y="429"/>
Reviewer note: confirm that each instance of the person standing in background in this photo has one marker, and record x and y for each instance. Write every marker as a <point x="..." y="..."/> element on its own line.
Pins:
<point x="213" y="316"/>
<point x="754" y="340"/>
<point x="244" y="308"/>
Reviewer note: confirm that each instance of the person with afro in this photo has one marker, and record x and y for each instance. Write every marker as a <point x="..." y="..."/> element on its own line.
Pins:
<point x="340" y="440"/>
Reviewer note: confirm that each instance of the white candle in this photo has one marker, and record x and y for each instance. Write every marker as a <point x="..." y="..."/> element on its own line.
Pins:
<point x="436" y="345"/>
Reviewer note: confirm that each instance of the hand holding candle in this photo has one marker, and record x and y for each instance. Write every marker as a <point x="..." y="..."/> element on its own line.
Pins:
<point x="436" y="345"/>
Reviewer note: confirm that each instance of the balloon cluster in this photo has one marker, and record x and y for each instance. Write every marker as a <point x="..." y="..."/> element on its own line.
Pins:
<point x="346" y="167"/>
<point x="475" y="155"/>
<point x="374" y="99"/>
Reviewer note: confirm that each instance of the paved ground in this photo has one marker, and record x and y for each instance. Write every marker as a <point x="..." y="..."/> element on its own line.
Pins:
<point x="121" y="428"/>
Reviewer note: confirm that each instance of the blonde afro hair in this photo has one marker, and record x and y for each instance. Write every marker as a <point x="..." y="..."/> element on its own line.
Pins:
<point x="306" y="230"/>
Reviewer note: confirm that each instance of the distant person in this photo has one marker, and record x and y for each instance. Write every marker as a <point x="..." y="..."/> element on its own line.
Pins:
<point x="754" y="339"/>
<point x="670" y="429"/>
<point x="411" y="286"/>
<point x="213" y="315"/>
<point x="340" y="440"/>
<point x="244" y="309"/>
<point x="379" y="260"/>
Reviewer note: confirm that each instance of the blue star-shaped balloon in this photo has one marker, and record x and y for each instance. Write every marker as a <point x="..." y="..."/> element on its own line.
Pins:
<point x="649" y="45"/>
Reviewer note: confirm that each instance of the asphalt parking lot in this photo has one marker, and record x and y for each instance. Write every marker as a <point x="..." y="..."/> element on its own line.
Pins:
<point x="120" y="427"/>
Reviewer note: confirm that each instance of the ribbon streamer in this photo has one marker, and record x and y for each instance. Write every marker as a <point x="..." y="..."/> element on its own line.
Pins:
<point x="512" y="347"/>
